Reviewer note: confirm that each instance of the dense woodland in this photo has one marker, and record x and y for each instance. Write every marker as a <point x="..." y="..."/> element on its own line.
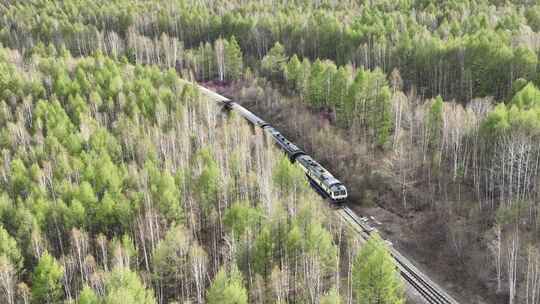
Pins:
<point x="123" y="184"/>
<point x="112" y="166"/>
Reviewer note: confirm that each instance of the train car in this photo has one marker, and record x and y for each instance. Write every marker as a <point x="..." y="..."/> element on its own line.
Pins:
<point x="322" y="179"/>
<point x="318" y="176"/>
<point x="254" y="119"/>
<point x="213" y="95"/>
<point x="227" y="103"/>
<point x="291" y="149"/>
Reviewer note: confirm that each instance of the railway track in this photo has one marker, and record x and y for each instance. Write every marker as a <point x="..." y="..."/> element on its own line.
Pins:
<point x="429" y="290"/>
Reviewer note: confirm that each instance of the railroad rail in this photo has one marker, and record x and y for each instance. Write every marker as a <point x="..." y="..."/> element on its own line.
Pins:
<point x="429" y="290"/>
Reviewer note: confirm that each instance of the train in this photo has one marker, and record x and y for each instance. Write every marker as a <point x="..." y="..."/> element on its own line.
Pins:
<point x="330" y="187"/>
<point x="319" y="177"/>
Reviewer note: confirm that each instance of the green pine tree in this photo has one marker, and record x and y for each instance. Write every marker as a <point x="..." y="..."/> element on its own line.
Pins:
<point x="316" y="91"/>
<point x="274" y="61"/>
<point x="233" y="60"/>
<point x="9" y="249"/>
<point x="88" y="296"/>
<point x="435" y="123"/>
<point x="124" y="286"/>
<point x="46" y="284"/>
<point x="375" y="278"/>
<point x="382" y="122"/>
<point x="227" y="288"/>
<point x="293" y="73"/>
<point x="332" y="297"/>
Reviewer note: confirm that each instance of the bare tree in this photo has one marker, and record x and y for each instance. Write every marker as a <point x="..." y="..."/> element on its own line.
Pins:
<point x="198" y="261"/>
<point x="79" y="245"/>
<point x="219" y="47"/>
<point x="495" y="248"/>
<point x="7" y="281"/>
<point x="512" y="263"/>
<point x="23" y="293"/>
<point x="532" y="284"/>
<point x="102" y="244"/>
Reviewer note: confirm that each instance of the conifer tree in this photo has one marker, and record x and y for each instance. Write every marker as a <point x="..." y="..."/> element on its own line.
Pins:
<point x="332" y="297"/>
<point x="9" y="249"/>
<point x="124" y="286"/>
<point x="375" y="278"/>
<point x="227" y="288"/>
<point x="46" y="284"/>
<point x="233" y="59"/>
<point x="274" y="61"/>
<point x="316" y="84"/>
<point x="435" y="123"/>
<point x="88" y="296"/>
<point x="293" y="73"/>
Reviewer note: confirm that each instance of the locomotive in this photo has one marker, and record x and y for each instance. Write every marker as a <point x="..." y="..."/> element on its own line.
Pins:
<point x="320" y="178"/>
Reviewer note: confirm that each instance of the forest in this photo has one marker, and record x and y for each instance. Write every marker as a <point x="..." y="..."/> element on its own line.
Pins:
<point x="122" y="183"/>
<point x="120" y="180"/>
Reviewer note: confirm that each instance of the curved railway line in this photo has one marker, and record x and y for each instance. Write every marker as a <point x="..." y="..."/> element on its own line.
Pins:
<point x="429" y="290"/>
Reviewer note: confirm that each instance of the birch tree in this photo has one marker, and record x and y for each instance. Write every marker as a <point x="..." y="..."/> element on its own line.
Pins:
<point x="8" y="281"/>
<point x="219" y="47"/>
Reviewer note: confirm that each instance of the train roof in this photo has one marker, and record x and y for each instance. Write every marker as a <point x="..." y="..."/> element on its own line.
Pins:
<point x="254" y="119"/>
<point x="319" y="171"/>
<point x="213" y="95"/>
<point x="283" y="141"/>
